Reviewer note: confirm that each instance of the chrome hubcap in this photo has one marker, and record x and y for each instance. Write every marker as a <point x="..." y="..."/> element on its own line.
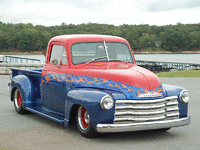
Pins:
<point x="83" y="118"/>
<point x="17" y="98"/>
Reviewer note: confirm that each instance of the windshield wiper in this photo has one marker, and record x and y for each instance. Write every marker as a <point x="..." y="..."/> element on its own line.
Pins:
<point x="95" y="59"/>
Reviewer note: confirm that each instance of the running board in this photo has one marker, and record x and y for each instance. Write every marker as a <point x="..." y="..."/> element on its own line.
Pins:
<point x="45" y="113"/>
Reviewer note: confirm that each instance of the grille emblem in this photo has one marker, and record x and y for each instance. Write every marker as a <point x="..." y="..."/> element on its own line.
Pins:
<point x="150" y="94"/>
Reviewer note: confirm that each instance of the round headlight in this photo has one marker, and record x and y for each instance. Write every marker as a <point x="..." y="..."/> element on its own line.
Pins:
<point x="107" y="102"/>
<point x="185" y="96"/>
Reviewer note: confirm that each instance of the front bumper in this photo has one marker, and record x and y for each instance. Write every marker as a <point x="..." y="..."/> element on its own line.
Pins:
<point x="143" y="126"/>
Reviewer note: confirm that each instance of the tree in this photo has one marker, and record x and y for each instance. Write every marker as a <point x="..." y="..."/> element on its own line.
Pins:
<point x="35" y="38"/>
<point x="132" y="36"/>
<point x="167" y="39"/>
<point x="3" y="40"/>
<point x="195" y="40"/>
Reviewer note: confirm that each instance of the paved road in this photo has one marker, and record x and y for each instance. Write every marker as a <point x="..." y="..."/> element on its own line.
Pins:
<point x="27" y="132"/>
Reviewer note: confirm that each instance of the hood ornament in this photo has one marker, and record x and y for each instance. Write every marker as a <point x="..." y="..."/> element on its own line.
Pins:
<point x="151" y="94"/>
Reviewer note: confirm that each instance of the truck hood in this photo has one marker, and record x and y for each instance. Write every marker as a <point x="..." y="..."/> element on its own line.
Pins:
<point x="124" y="77"/>
<point x="127" y="78"/>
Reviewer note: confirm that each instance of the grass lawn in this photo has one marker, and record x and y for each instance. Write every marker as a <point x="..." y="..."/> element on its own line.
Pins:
<point x="189" y="73"/>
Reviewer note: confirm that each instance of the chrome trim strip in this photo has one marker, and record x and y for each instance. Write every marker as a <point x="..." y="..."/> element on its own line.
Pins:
<point x="139" y="119"/>
<point x="171" y="103"/>
<point x="140" y="101"/>
<point x="171" y="97"/>
<point x="171" y="109"/>
<point x="147" y="101"/>
<point x="172" y="114"/>
<point x="143" y="126"/>
<point x="140" y="113"/>
<point x="140" y="107"/>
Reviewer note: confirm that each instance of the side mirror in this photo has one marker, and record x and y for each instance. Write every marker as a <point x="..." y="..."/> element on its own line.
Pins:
<point x="54" y="62"/>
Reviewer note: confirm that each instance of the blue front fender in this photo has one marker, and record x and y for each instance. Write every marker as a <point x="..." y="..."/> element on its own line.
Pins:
<point x="172" y="90"/>
<point x="90" y="99"/>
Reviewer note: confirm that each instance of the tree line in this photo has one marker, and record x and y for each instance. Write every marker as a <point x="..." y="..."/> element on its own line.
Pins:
<point x="175" y="38"/>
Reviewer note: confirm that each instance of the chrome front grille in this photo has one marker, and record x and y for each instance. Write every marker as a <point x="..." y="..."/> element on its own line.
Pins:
<point x="136" y="111"/>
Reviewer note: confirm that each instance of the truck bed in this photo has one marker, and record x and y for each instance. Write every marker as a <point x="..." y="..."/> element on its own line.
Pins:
<point x="35" y="72"/>
<point x="37" y="108"/>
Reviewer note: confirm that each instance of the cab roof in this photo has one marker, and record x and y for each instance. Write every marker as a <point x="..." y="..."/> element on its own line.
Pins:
<point x="86" y="37"/>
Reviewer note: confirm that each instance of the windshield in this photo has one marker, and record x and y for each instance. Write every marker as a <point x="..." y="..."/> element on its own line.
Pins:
<point x="100" y="52"/>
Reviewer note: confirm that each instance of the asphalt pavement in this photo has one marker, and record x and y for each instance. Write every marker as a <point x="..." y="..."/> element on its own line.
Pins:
<point x="33" y="132"/>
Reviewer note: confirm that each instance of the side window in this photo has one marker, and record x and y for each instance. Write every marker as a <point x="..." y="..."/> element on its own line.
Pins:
<point x="58" y="55"/>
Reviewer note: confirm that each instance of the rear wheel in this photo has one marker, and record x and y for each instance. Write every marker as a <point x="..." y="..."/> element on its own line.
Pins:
<point x="84" y="124"/>
<point x="18" y="99"/>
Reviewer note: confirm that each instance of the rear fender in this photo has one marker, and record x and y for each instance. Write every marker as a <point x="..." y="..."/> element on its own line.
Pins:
<point x="23" y="83"/>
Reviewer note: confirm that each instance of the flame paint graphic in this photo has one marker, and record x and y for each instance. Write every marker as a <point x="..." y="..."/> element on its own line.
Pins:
<point x="97" y="82"/>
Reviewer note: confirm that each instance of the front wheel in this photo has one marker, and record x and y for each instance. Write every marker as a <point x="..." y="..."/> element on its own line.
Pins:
<point x="84" y="124"/>
<point x="18" y="99"/>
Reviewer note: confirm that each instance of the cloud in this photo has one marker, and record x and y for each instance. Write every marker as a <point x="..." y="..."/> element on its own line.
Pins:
<point x="70" y="11"/>
<point x="89" y="5"/>
<point x="116" y="12"/>
<point x="169" y="5"/>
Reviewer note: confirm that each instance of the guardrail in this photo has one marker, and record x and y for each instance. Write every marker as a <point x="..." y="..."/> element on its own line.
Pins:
<point x="157" y="66"/>
<point x="4" y="67"/>
<point x="14" y="59"/>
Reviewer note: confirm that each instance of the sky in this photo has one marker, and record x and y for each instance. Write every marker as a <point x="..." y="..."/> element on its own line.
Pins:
<point x="115" y="12"/>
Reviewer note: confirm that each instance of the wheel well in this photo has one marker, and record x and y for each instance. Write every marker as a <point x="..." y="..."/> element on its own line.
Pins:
<point x="12" y="93"/>
<point x="73" y="113"/>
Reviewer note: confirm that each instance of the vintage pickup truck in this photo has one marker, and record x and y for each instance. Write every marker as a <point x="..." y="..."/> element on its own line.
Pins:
<point x="93" y="80"/>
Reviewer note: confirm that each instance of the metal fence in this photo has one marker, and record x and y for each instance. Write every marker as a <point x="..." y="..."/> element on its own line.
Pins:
<point x="14" y="59"/>
<point x="4" y="67"/>
<point x="167" y="66"/>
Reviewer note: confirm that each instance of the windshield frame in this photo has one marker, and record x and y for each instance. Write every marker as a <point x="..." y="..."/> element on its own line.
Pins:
<point x="106" y="52"/>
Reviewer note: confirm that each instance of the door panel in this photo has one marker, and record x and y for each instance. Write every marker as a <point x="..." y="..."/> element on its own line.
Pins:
<point x="53" y="88"/>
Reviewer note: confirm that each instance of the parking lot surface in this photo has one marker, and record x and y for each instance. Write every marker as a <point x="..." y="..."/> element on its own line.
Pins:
<point x="33" y="132"/>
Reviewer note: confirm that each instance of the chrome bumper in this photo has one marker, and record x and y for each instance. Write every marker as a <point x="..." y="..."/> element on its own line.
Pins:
<point x="143" y="126"/>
